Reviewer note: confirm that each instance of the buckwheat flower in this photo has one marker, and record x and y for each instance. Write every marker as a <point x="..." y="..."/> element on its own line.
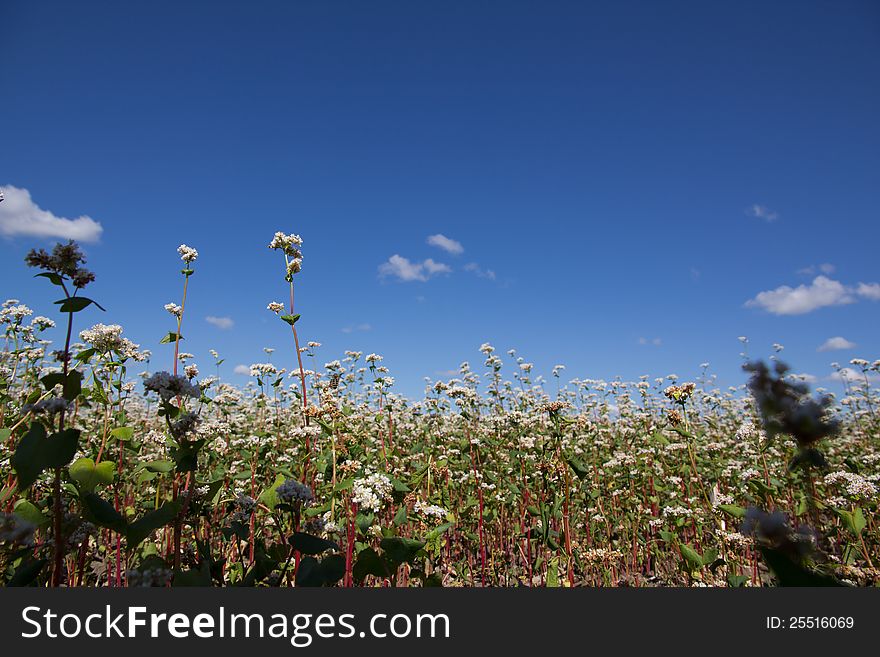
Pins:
<point x="174" y="309"/>
<point x="171" y="385"/>
<point x="859" y="362"/>
<point x="286" y="243"/>
<point x="187" y="253"/>
<point x="50" y="405"/>
<point x="106" y="338"/>
<point x="294" y="492"/>
<point x="263" y="369"/>
<point x="787" y="407"/>
<point x="184" y="424"/>
<point x="373" y="358"/>
<point x="191" y="371"/>
<point x="276" y="307"/>
<point x="430" y="510"/>
<point x="42" y="323"/>
<point x="313" y="345"/>
<point x="15" y="313"/>
<point x="64" y="260"/>
<point x="371" y="492"/>
<point x="294" y="266"/>
<point x="856" y="485"/>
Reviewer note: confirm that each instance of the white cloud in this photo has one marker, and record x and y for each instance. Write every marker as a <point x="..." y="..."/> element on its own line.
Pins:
<point x="825" y="268"/>
<point x="654" y="341"/>
<point x="869" y="291"/>
<point x="447" y="244"/>
<point x="762" y="212"/>
<point x="473" y="267"/>
<point x="357" y="329"/>
<point x="406" y="271"/>
<point x="220" y="322"/>
<point x="19" y="215"/>
<point x="242" y="369"/>
<point x="836" y="343"/>
<point x="822" y="292"/>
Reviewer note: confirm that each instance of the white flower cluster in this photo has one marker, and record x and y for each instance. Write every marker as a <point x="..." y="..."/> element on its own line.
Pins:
<point x="13" y="312"/>
<point x="187" y="253"/>
<point x="42" y="323"/>
<point x="371" y="492"/>
<point x="430" y="510"/>
<point x="106" y="338"/>
<point x="174" y="309"/>
<point x="286" y="243"/>
<point x="276" y="307"/>
<point x="263" y="369"/>
<point x="855" y="485"/>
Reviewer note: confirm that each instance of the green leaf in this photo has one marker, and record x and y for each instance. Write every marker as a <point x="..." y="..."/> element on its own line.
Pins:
<point x="333" y="568"/>
<point x="308" y="544"/>
<point x="54" y="278"/>
<point x="364" y="521"/>
<point x="28" y="460"/>
<point x="309" y="572"/>
<point x="268" y="496"/>
<point x="102" y="513"/>
<point x="733" y="510"/>
<point x="709" y="556"/>
<point x="122" y="433"/>
<point x="369" y="563"/>
<point x="692" y="558"/>
<point x="86" y="354"/>
<point x="553" y="573"/>
<point x="437" y="532"/>
<point x="88" y="475"/>
<point x="75" y="304"/>
<point x="52" y="379"/>
<point x="27" y="572"/>
<point x="401" y="550"/>
<point x="581" y="470"/>
<point x="290" y="319"/>
<point x="29" y="512"/>
<point x="186" y="456"/>
<point x="72" y="385"/>
<point x="170" y="337"/>
<point x="60" y="448"/>
<point x="854" y="521"/>
<point x="159" y="466"/>
<point x="141" y="528"/>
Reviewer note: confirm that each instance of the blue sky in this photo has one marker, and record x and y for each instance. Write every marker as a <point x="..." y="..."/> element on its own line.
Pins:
<point x="616" y="174"/>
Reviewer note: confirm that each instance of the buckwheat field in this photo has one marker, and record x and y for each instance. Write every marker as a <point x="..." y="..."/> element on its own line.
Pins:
<point x="123" y="465"/>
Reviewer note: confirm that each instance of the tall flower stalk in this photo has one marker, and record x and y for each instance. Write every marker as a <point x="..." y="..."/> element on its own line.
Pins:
<point x="188" y="255"/>
<point x="63" y="266"/>
<point x="289" y="246"/>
